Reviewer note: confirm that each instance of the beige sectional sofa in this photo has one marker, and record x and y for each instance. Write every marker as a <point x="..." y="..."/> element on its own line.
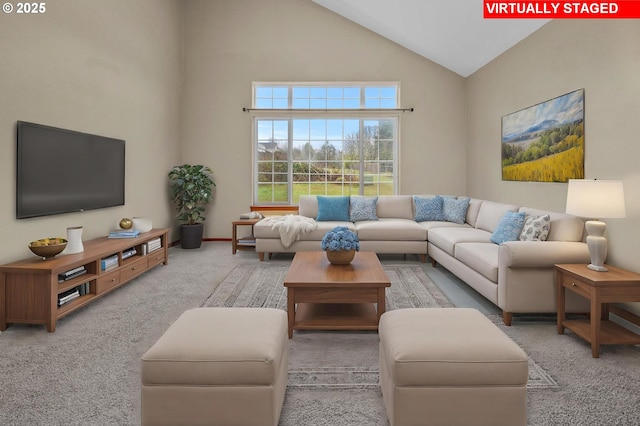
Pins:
<point x="517" y="276"/>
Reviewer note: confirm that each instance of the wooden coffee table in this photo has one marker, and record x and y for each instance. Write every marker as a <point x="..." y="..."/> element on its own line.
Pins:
<point x="322" y="296"/>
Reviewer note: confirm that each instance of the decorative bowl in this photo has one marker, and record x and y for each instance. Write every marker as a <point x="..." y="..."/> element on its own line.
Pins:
<point x="47" y="247"/>
<point x="340" y="257"/>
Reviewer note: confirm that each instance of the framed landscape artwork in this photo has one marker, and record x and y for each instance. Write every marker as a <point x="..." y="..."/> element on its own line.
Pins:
<point x="545" y="142"/>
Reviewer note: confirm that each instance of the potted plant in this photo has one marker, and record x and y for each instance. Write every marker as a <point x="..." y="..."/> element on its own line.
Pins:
<point x="192" y="189"/>
<point x="340" y="244"/>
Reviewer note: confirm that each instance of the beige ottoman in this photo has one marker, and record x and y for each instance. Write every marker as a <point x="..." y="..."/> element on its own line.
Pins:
<point x="450" y="367"/>
<point x="217" y="366"/>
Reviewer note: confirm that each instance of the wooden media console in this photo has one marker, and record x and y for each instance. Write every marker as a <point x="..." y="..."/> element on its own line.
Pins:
<point x="31" y="289"/>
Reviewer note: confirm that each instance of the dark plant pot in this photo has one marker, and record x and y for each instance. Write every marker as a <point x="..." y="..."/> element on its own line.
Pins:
<point x="191" y="236"/>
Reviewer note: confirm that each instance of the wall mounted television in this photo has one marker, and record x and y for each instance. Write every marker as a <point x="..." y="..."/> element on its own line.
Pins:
<point x="61" y="171"/>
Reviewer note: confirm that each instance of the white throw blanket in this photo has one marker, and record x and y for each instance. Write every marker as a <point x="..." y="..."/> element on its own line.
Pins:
<point x="291" y="227"/>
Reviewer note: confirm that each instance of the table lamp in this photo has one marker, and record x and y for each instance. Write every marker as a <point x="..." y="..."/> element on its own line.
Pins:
<point x="597" y="199"/>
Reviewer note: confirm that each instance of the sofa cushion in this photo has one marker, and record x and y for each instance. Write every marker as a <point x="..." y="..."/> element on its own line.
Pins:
<point x="536" y="228"/>
<point x="490" y="214"/>
<point x="363" y="208"/>
<point x="481" y="257"/>
<point x="446" y="238"/>
<point x="390" y="230"/>
<point x="263" y="229"/>
<point x="428" y="208"/>
<point x="395" y="206"/>
<point x="455" y="209"/>
<point x="472" y="211"/>
<point x="563" y="227"/>
<point x="509" y="227"/>
<point x="308" y="206"/>
<point x="333" y="208"/>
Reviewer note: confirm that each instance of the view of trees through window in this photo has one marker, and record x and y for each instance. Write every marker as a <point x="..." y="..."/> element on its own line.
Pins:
<point x="310" y="155"/>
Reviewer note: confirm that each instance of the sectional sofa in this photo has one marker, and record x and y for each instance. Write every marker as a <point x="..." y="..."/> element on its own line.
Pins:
<point x="503" y="251"/>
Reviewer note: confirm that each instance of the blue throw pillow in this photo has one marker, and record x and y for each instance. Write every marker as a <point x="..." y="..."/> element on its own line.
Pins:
<point x="363" y="208"/>
<point x="455" y="209"/>
<point x="333" y="208"/>
<point x="509" y="228"/>
<point x="428" y="208"/>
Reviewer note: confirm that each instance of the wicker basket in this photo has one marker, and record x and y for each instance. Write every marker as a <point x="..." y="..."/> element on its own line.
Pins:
<point x="340" y="257"/>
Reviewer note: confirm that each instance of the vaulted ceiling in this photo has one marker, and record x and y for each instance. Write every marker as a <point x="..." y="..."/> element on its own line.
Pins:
<point x="452" y="33"/>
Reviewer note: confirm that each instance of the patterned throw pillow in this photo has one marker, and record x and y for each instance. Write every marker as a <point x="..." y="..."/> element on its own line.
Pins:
<point x="428" y="208"/>
<point x="536" y="228"/>
<point x="363" y="208"/>
<point x="509" y="227"/>
<point x="333" y="208"/>
<point x="455" y="209"/>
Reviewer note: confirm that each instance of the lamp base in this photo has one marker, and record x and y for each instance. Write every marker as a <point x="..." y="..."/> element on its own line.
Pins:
<point x="597" y="245"/>
<point x="597" y="268"/>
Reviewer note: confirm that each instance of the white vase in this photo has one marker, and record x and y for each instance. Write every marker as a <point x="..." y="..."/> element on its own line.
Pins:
<point x="74" y="240"/>
<point x="142" y="224"/>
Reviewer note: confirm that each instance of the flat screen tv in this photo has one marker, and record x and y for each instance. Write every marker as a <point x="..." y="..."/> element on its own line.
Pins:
<point x="61" y="171"/>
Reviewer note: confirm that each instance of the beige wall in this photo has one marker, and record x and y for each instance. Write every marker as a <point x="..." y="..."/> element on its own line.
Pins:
<point x="230" y="44"/>
<point x="111" y="68"/>
<point x="603" y="57"/>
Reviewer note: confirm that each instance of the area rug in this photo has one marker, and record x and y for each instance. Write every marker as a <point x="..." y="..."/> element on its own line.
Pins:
<point x="346" y="360"/>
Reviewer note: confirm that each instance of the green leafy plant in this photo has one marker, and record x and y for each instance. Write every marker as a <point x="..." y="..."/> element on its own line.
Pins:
<point x="192" y="189"/>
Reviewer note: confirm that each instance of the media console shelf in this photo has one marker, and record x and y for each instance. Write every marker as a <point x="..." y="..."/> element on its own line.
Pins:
<point x="31" y="289"/>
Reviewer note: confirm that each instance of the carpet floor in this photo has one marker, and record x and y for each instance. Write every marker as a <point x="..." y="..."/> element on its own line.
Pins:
<point x="88" y="371"/>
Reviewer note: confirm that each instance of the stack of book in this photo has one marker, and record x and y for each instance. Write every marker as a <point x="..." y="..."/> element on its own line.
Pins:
<point x="72" y="273"/>
<point x="153" y="245"/>
<point x="129" y="252"/>
<point x="109" y="263"/>
<point x="249" y="240"/>
<point x="68" y="296"/>
<point x="124" y="233"/>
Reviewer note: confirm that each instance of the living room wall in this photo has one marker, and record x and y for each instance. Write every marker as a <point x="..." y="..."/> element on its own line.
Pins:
<point x="603" y="57"/>
<point x="230" y="44"/>
<point x="111" y="68"/>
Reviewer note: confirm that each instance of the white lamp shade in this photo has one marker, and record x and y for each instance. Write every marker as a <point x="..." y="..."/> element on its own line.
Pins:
<point x="591" y="198"/>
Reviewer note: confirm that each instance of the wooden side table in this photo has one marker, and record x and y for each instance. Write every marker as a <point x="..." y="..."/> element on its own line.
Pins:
<point x="245" y="243"/>
<point x="600" y="288"/>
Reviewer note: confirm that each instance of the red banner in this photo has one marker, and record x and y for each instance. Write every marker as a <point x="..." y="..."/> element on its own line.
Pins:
<point x="624" y="9"/>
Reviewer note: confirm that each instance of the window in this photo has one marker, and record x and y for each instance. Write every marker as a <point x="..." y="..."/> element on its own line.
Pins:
<point x="333" y="140"/>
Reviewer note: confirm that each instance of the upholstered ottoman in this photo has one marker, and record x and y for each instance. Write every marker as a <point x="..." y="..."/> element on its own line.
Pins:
<point x="217" y="366"/>
<point x="450" y="367"/>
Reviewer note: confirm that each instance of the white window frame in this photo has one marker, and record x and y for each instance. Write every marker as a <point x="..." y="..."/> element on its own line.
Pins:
<point x="289" y="114"/>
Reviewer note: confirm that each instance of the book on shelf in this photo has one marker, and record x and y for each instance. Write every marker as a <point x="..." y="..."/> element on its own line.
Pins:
<point x="72" y="273"/>
<point x="67" y="296"/>
<point x="109" y="263"/>
<point x="129" y="252"/>
<point x="84" y="289"/>
<point x="153" y="245"/>
<point x="124" y="233"/>
<point x="248" y="240"/>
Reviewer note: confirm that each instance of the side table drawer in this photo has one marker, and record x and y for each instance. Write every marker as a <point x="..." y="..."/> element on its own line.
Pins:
<point x="576" y="285"/>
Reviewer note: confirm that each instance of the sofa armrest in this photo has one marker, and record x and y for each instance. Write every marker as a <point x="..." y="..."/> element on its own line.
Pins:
<point x="536" y="254"/>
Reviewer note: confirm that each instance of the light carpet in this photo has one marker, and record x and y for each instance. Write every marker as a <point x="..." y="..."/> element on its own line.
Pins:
<point x="356" y="362"/>
<point x="88" y="371"/>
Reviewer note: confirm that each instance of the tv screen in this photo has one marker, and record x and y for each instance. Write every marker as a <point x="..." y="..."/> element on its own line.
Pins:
<point x="60" y="171"/>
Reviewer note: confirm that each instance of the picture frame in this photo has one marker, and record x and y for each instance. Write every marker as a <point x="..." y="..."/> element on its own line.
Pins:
<point x="545" y="142"/>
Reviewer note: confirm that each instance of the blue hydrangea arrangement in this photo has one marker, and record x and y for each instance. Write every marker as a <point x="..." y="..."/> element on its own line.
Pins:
<point x="340" y="238"/>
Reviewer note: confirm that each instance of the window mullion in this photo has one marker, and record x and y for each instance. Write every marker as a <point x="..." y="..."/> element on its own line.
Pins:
<point x="290" y="160"/>
<point x="361" y="158"/>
